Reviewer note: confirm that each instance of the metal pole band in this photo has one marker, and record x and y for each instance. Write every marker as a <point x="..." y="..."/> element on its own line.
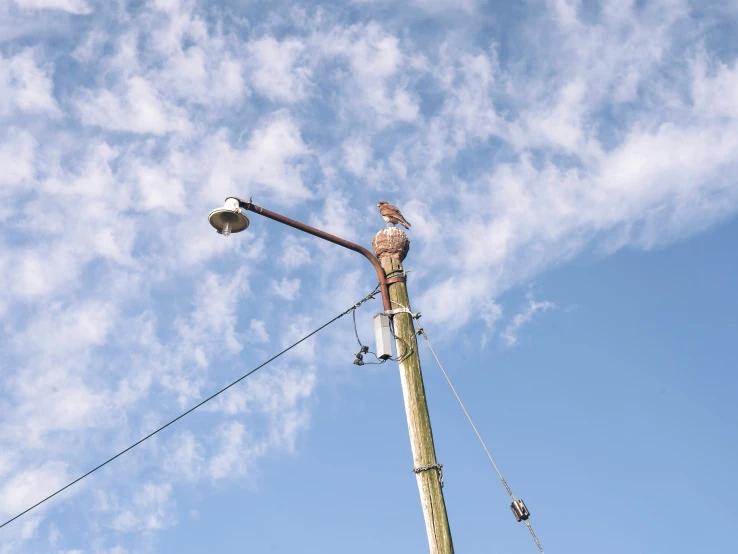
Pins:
<point x="437" y="467"/>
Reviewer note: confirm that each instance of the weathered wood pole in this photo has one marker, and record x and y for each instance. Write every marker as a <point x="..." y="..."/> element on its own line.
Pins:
<point x="391" y="246"/>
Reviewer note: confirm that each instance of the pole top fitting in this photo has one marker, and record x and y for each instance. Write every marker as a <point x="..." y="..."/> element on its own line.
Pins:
<point x="391" y="242"/>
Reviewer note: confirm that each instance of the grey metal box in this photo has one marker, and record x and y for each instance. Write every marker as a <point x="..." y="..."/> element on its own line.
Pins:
<point x="383" y="335"/>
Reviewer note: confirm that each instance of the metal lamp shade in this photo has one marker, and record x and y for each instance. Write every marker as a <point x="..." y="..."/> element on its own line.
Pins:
<point x="229" y="214"/>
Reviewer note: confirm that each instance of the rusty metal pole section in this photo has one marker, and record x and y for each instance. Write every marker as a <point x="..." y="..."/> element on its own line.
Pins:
<point x="391" y="246"/>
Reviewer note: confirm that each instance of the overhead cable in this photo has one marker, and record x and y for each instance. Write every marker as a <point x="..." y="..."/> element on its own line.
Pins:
<point x="518" y="507"/>
<point x="208" y="399"/>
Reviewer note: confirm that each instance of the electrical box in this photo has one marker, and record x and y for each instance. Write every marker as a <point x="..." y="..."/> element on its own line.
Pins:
<point x="383" y="335"/>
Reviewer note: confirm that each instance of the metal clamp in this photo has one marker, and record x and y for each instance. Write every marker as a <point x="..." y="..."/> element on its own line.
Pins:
<point x="437" y="467"/>
<point x="519" y="510"/>
<point x="415" y="315"/>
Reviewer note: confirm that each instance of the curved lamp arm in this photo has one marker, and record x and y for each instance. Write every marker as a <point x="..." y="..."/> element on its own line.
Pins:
<point x="381" y="275"/>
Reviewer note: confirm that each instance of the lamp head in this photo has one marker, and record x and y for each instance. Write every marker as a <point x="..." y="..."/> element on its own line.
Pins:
<point x="229" y="219"/>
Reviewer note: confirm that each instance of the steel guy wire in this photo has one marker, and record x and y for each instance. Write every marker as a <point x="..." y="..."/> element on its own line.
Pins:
<point x="491" y="459"/>
<point x="208" y="399"/>
<point x="532" y="534"/>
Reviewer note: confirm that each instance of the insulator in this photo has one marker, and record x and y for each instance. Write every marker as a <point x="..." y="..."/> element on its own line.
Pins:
<point x="358" y="361"/>
<point x="364" y="349"/>
<point x="519" y="510"/>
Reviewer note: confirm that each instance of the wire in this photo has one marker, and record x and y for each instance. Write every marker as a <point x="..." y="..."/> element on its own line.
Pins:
<point x="356" y="331"/>
<point x="364" y="349"/>
<point x="208" y="399"/>
<point x="422" y="332"/>
<point x="380" y="361"/>
<point x="408" y="347"/>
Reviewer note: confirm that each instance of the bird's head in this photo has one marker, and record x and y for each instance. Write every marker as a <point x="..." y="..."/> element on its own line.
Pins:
<point x="382" y="203"/>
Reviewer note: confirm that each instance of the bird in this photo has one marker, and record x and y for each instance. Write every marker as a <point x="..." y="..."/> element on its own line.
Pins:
<point x="392" y="215"/>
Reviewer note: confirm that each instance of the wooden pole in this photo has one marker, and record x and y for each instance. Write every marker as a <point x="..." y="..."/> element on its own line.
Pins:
<point x="391" y="246"/>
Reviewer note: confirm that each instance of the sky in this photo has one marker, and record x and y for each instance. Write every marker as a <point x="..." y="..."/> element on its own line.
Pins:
<point x="569" y="169"/>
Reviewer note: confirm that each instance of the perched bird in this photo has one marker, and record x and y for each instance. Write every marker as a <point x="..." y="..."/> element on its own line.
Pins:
<point x="392" y="215"/>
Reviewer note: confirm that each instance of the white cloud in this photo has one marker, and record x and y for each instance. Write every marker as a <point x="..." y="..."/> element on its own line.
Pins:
<point x="714" y="88"/>
<point x="54" y="535"/>
<point x="531" y="310"/>
<point x="17" y="157"/>
<point x="135" y="106"/>
<point x="121" y="304"/>
<point x="79" y="7"/>
<point x="208" y="331"/>
<point x="277" y="73"/>
<point x="70" y="329"/>
<point x="87" y="51"/>
<point x="444" y="5"/>
<point x="280" y="395"/>
<point x="169" y="6"/>
<point x="433" y="6"/>
<point x="28" y="527"/>
<point x="357" y="155"/>
<point x="337" y="216"/>
<point x="193" y="62"/>
<point x="185" y="457"/>
<point x="269" y="153"/>
<point x="294" y="253"/>
<point x="28" y="487"/>
<point x="469" y="109"/>
<point x="152" y="509"/>
<point x="25" y="86"/>
<point x="288" y="289"/>
<point x="235" y="454"/>
<point x="375" y="58"/>
<point x="272" y="162"/>
<point x="257" y="332"/>
<point x="158" y="189"/>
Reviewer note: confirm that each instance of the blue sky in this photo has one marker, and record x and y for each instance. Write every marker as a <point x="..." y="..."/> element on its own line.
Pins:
<point x="569" y="171"/>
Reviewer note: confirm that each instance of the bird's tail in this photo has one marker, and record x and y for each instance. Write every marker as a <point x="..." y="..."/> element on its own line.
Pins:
<point x="405" y="224"/>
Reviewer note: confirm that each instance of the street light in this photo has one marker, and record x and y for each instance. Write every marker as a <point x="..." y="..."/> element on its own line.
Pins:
<point x="230" y="219"/>
<point x="390" y="246"/>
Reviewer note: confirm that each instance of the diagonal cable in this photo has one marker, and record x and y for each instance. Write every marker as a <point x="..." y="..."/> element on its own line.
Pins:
<point x="195" y="407"/>
<point x="421" y="331"/>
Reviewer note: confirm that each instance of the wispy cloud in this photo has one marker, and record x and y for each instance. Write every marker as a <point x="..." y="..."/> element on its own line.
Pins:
<point x="25" y="86"/>
<point x="78" y="7"/>
<point x="533" y="308"/>
<point x="123" y="124"/>
<point x="286" y="288"/>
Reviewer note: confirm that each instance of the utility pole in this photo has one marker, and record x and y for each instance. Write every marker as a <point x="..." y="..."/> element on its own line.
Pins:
<point x="390" y="248"/>
<point x="391" y="245"/>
